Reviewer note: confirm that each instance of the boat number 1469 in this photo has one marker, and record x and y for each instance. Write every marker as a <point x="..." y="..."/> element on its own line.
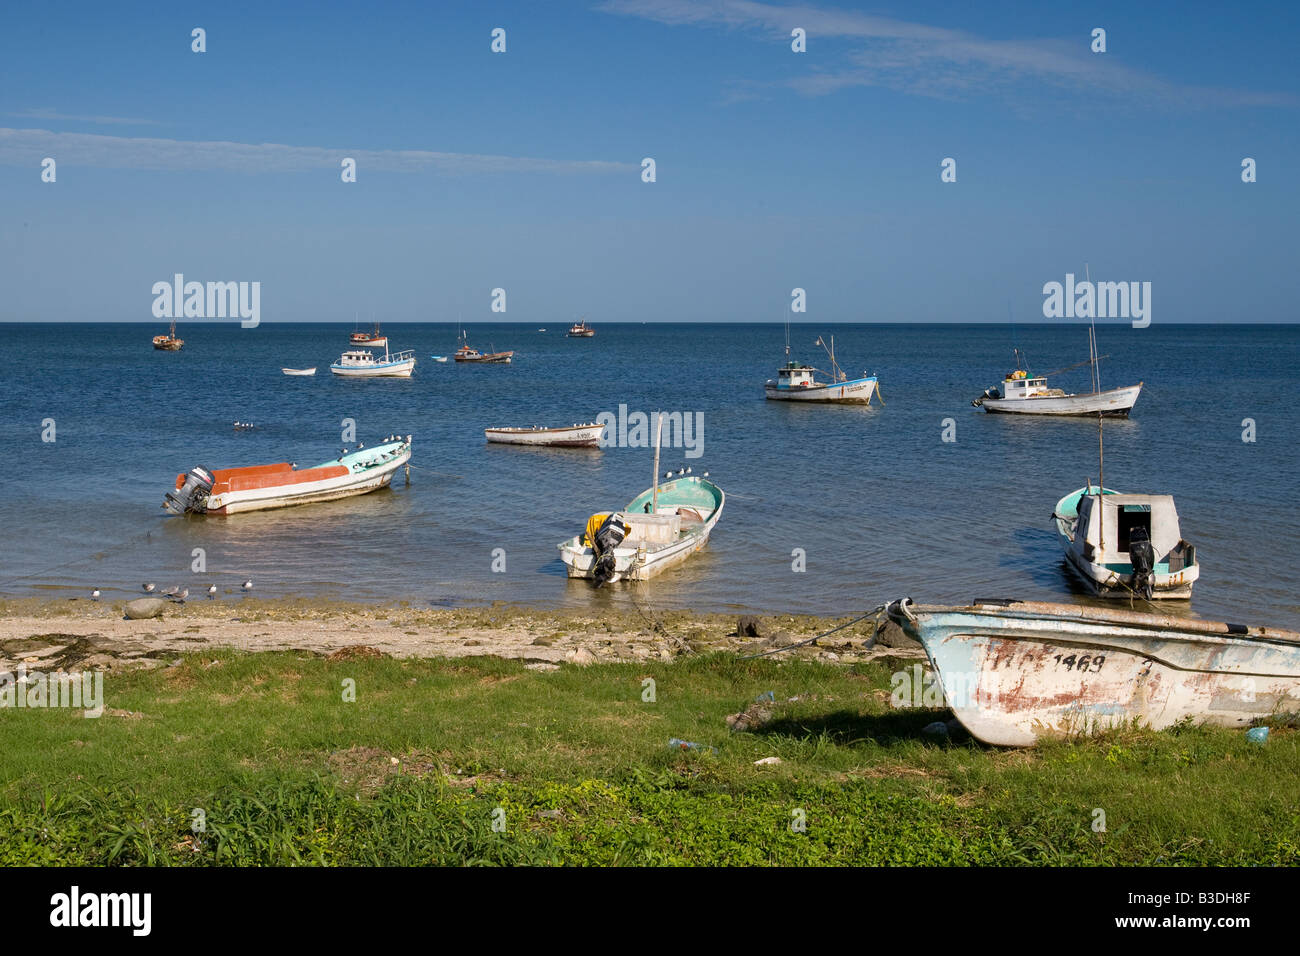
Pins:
<point x="1083" y="663"/>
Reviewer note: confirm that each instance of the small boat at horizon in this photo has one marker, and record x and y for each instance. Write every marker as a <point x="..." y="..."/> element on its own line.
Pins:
<point x="168" y="342"/>
<point x="796" y="382"/>
<point x="376" y="339"/>
<point x="572" y="436"/>
<point x="361" y="364"/>
<point x="1126" y="545"/>
<point x="1015" y="672"/>
<point x="299" y="371"/>
<point x="467" y="354"/>
<point x="232" y="490"/>
<point x="580" y="330"/>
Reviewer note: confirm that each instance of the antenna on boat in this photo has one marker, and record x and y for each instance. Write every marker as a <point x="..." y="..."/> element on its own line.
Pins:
<point x="787" y="337"/>
<point x="659" y="430"/>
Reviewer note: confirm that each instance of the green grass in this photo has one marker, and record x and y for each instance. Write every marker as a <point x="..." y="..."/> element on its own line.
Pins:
<point x="577" y="767"/>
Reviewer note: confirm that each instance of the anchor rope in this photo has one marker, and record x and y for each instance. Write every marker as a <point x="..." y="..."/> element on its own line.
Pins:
<point x="875" y="628"/>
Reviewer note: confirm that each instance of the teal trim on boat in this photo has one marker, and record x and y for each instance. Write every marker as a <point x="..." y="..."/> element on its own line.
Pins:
<point x="704" y="496"/>
<point x="1068" y="507"/>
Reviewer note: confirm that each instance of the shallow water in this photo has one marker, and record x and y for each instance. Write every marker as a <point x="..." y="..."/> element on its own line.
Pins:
<point x="880" y="504"/>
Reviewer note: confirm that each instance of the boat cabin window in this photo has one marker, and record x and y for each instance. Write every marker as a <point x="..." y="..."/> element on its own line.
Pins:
<point x="1130" y="517"/>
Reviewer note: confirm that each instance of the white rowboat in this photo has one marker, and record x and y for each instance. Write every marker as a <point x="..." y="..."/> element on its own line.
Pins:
<point x="573" y="436"/>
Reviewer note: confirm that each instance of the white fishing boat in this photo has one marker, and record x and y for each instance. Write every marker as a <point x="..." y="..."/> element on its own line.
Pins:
<point x="580" y="330"/>
<point x="571" y="436"/>
<point x="659" y="529"/>
<point x="375" y="339"/>
<point x="360" y="363"/>
<point x="299" y="371"/>
<point x="1025" y="394"/>
<point x="1015" y="672"/>
<point x="438" y="358"/>
<point x="796" y="382"/>
<point x="232" y="490"/>
<point x="1126" y="545"/>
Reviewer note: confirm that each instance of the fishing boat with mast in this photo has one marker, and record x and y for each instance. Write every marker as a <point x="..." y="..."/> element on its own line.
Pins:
<point x="168" y="342"/>
<point x="375" y="339"/>
<point x="580" y="330"/>
<point x="465" y="353"/>
<point x="659" y="529"/>
<point x="796" y="382"/>
<point x="1125" y="545"/>
<point x="360" y="363"/>
<point x="1024" y="393"/>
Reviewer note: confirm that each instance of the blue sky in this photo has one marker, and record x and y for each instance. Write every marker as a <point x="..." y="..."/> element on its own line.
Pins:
<point x="522" y="170"/>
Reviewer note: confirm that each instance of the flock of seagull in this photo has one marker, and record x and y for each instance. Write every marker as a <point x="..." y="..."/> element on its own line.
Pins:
<point x="178" y="593"/>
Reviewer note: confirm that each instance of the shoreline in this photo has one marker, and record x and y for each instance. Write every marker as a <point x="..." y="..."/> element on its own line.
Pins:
<point x="75" y="633"/>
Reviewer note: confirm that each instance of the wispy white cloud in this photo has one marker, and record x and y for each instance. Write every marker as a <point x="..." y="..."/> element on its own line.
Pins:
<point x="48" y="113"/>
<point x="932" y="61"/>
<point x="24" y="147"/>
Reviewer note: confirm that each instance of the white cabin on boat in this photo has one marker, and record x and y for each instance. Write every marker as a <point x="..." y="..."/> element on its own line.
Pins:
<point x="1099" y="543"/>
<point x="1020" y="384"/>
<point x="795" y="376"/>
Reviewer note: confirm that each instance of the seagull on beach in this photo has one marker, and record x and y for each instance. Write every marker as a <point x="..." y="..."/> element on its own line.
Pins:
<point x="178" y="594"/>
<point x="212" y="591"/>
<point x="94" y="595"/>
<point x="148" y="587"/>
<point x="248" y="585"/>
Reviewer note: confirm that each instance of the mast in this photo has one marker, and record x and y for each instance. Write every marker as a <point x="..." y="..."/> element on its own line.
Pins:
<point x="659" y="430"/>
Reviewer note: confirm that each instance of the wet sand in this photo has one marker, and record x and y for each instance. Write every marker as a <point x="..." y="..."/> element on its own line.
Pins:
<point x="82" y="634"/>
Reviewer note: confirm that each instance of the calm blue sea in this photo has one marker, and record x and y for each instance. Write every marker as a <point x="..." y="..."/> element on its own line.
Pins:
<point x="880" y="504"/>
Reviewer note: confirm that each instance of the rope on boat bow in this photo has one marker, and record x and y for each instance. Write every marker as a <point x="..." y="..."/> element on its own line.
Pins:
<point x="875" y="627"/>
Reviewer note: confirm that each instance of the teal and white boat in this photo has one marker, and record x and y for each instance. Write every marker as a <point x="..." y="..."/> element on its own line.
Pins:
<point x="1014" y="672"/>
<point x="1125" y="545"/>
<point x="668" y="523"/>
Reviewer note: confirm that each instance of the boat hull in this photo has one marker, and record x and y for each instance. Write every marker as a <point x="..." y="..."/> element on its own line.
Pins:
<point x="281" y="486"/>
<point x="1017" y="672"/>
<point x="582" y="436"/>
<point x="855" y="392"/>
<point x="298" y="371"/>
<point x="1115" y="403"/>
<point x="379" y="370"/>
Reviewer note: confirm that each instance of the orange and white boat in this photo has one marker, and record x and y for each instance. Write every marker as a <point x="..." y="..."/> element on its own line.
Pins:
<point x="230" y="490"/>
<point x="376" y="338"/>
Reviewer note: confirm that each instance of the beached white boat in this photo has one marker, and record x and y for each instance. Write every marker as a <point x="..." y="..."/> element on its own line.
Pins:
<point x="666" y="525"/>
<point x="231" y="490"/>
<point x="571" y="436"/>
<point x="362" y="364"/>
<point x="798" y="383"/>
<point x="1014" y="672"/>
<point x="1125" y="545"/>
<point x="299" y="371"/>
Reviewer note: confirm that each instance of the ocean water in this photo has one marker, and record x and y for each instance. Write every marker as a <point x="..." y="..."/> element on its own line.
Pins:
<point x="880" y="505"/>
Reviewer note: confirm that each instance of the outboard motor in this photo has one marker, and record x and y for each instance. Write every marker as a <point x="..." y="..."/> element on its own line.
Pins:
<point x="608" y="537"/>
<point x="1143" y="557"/>
<point x="988" y="393"/>
<point x="192" y="495"/>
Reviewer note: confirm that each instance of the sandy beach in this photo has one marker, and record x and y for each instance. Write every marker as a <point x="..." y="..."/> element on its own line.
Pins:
<point x="76" y="633"/>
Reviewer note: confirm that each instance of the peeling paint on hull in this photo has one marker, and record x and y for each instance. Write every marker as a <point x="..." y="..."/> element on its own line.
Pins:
<point x="1016" y="673"/>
